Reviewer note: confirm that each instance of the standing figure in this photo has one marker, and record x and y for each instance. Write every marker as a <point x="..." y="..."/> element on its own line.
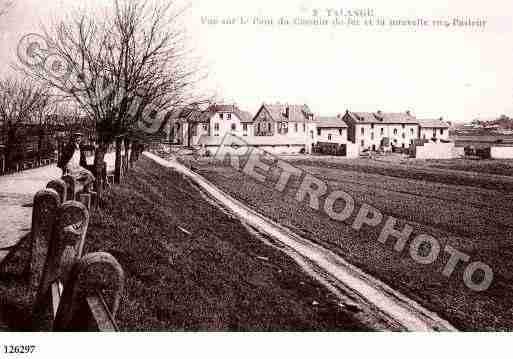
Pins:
<point x="70" y="162"/>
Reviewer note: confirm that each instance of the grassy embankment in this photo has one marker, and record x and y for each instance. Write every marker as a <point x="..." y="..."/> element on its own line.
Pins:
<point x="218" y="277"/>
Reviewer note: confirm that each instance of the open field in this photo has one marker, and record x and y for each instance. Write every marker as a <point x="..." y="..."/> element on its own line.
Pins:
<point x="190" y="266"/>
<point x="489" y="174"/>
<point x="471" y="213"/>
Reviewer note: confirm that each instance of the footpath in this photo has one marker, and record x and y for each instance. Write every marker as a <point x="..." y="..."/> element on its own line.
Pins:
<point x="16" y="194"/>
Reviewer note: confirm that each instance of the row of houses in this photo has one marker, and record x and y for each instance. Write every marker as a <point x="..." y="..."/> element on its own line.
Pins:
<point x="286" y="128"/>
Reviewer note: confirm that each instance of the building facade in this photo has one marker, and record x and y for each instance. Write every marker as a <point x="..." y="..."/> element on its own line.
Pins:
<point x="330" y="129"/>
<point x="374" y="130"/>
<point x="434" y="129"/>
<point x="186" y="126"/>
<point x="286" y="123"/>
<point x="230" y="119"/>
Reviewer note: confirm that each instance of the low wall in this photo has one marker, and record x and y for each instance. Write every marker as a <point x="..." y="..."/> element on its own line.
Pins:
<point x="458" y="152"/>
<point x="352" y="150"/>
<point x="277" y="149"/>
<point x="501" y="152"/>
<point x="432" y="150"/>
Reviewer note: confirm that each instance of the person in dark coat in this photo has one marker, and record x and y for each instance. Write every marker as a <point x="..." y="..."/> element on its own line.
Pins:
<point x="71" y="160"/>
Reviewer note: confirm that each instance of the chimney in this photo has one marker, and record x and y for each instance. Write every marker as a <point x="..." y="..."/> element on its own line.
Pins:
<point x="408" y="112"/>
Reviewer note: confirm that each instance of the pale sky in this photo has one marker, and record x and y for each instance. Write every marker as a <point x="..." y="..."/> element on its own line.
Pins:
<point x="457" y="73"/>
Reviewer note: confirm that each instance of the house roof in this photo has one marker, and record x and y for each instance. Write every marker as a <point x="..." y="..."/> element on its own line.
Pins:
<point x="244" y="116"/>
<point x="382" y="117"/>
<point x="278" y="112"/>
<point x="433" y="123"/>
<point x="276" y="140"/>
<point x="195" y="115"/>
<point x="329" y="122"/>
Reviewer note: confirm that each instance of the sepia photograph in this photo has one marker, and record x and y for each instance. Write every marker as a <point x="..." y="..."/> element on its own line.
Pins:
<point x="191" y="167"/>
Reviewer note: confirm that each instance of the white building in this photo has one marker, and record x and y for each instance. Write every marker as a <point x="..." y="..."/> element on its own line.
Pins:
<point x="372" y="130"/>
<point x="187" y="126"/>
<point x="433" y="129"/>
<point x="229" y="119"/>
<point x="284" y="122"/>
<point x="330" y="129"/>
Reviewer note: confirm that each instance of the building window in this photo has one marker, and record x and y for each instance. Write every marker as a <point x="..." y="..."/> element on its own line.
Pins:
<point x="363" y="143"/>
<point x="221" y="116"/>
<point x="434" y="133"/>
<point x="372" y="135"/>
<point x="395" y="131"/>
<point x="372" y="126"/>
<point x="229" y="116"/>
<point x="318" y="132"/>
<point x="269" y="127"/>
<point x="340" y="130"/>
<point x="304" y="127"/>
<point x="244" y="127"/>
<point x="441" y="131"/>
<point x="403" y="125"/>
<point x="403" y="135"/>
<point x="205" y="127"/>
<point x="216" y="126"/>
<point x="412" y="131"/>
<point x="234" y="127"/>
<point x="382" y="131"/>
<point x="295" y="127"/>
<point x="329" y="137"/>
<point x="362" y="131"/>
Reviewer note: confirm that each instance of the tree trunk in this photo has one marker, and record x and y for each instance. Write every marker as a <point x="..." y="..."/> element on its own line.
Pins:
<point x="40" y="144"/>
<point x="10" y="144"/>
<point x="133" y="152"/>
<point x="100" y="170"/>
<point x="117" y="164"/>
<point x="127" y="154"/>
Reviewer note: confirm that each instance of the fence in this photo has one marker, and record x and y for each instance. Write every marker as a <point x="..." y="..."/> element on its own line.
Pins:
<point x="66" y="290"/>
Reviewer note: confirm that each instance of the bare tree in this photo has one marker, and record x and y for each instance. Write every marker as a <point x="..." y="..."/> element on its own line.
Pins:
<point x="125" y="69"/>
<point x="21" y="102"/>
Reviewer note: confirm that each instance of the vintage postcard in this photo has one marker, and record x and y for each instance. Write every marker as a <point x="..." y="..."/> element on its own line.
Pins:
<point x="299" y="166"/>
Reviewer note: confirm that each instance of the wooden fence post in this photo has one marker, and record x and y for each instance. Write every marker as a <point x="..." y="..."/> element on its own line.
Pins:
<point x="44" y="217"/>
<point x="65" y="246"/>
<point x="72" y="229"/>
<point x="60" y="187"/>
<point x="70" y="187"/>
<point x="75" y="297"/>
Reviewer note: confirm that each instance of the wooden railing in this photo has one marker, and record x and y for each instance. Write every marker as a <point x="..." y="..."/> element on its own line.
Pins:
<point x="25" y="164"/>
